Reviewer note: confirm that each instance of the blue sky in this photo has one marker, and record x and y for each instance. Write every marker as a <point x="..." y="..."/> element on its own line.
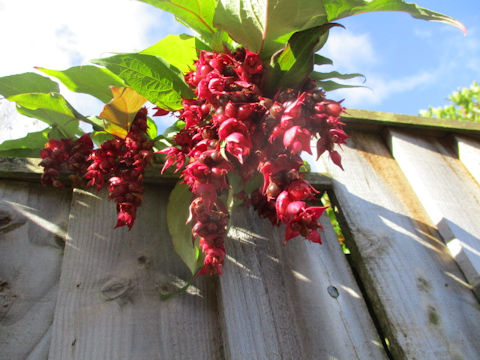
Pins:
<point x="409" y="64"/>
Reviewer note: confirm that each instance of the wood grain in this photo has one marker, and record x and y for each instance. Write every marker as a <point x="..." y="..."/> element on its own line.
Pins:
<point x="109" y="303"/>
<point x="33" y="222"/>
<point x="377" y="120"/>
<point x="276" y="300"/>
<point x="449" y="194"/>
<point x="418" y="294"/>
<point x="469" y="154"/>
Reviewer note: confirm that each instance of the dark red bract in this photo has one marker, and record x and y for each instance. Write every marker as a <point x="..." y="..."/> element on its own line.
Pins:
<point x="230" y="126"/>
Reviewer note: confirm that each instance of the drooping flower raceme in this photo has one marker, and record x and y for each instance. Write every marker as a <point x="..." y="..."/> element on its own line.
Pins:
<point x="231" y="127"/>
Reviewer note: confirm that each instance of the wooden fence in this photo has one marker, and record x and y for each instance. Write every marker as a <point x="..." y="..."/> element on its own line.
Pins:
<point x="73" y="287"/>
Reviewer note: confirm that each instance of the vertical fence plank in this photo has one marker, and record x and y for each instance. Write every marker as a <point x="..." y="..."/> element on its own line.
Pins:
<point x="469" y="154"/>
<point x="32" y="228"/>
<point x="109" y="303"/>
<point x="416" y="290"/>
<point x="448" y="193"/>
<point x="298" y="301"/>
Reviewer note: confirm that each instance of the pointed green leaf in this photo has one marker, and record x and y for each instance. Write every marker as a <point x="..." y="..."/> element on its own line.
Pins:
<point x="295" y="62"/>
<point x="99" y="137"/>
<point x="52" y="109"/>
<point x="179" y="50"/>
<point x="265" y="26"/>
<point x="88" y="79"/>
<point x="321" y="60"/>
<point x="26" y="83"/>
<point x="254" y="183"/>
<point x="161" y="143"/>
<point x="28" y="146"/>
<point x="151" y="129"/>
<point x="330" y="85"/>
<point x="173" y="129"/>
<point x="219" y="40"/>
<point x="195" y="14"/>
<point x="150" y="76"/>
<point x="338" y="9"/>
<point x="335" y="75"/>
<point x="181" y="233"/>
<point x="97" y="123"/>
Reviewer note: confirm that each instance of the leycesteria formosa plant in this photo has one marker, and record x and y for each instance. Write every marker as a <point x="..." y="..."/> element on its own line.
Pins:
<point x="246" y="101"/>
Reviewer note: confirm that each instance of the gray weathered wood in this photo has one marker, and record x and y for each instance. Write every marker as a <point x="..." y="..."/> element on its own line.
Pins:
<point x="27" y="169"/>
<point x="378" y="120"/>
<point x="109" y="303"/>
<point x="448" y="193"/>
<point x="424" y="307"/>
<point x="276" y="301"/>
<point x="469" y="154"/>
<point x="32" y="228"/>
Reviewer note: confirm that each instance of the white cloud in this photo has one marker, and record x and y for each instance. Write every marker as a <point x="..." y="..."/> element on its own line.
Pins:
<point x="58" y="34"/>
<point x="380" y="88"/>
<point x="349" y="51"/>
<point x="356" y="53"/>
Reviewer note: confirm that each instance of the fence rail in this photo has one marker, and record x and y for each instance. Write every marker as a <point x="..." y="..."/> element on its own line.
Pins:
<point x="73" y="287"/>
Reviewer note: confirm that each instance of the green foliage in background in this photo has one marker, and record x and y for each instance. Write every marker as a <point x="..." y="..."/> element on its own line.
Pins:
<point x="465" y="105"/>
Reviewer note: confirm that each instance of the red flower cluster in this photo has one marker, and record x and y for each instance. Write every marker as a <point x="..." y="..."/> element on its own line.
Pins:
<point x="122" y="162"/>
<point x="65" y="154"/>
<point x="230" y="126"/>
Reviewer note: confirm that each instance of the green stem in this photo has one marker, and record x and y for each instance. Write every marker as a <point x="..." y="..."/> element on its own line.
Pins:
<point x="183" y="289"/>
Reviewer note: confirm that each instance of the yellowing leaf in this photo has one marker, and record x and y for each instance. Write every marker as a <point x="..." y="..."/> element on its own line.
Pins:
<point x="121" y="110"/>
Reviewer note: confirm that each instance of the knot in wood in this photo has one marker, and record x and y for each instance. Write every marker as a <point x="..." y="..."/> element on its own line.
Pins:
<point x="9" y="220"/>
<point x="333" y="291"/>
<point x="7" y="298"/>
<point x="117" y="288"/>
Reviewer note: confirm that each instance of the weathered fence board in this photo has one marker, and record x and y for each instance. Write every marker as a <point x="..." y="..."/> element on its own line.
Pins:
<point x="469" y="154"/>
<point x="298" y="301"/>
<point x="109" y="303"/>
<point x="448" y="193"/>
<point x="99" y="298"/>
<point x="32" y="228"/>
<point x="415" y="288"/>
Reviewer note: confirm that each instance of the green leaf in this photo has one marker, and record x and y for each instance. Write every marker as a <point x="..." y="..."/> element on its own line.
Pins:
<point x="305" y="168"/>
<point x="195" y="14"/>
<point x="295" y="62"/>
<point x="330" y="85"/>
<point x="181" y="233"/>
<point x="338" y="9"/>
<point x="52" y="109"/>
<point x="97" y="123"/>
<point x="220" y="40"/>
<point x="335" y="75"/>
<point x="179" y="50"/>
<point x="88" y="79"/>
<point x="236" y="185"/>
<point x="28" y="146"/>
<point x="254" y="183"/>
<point x="99" y="137"/>
<point x="26" y="83"/>
<point x="173" y="129"/>
<point x="161" y="143"/>
<point x="265" y="26"/>
<point x="321" y="60"/>
<point x="150" y="76"/>
<point x="151" y="129"/>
